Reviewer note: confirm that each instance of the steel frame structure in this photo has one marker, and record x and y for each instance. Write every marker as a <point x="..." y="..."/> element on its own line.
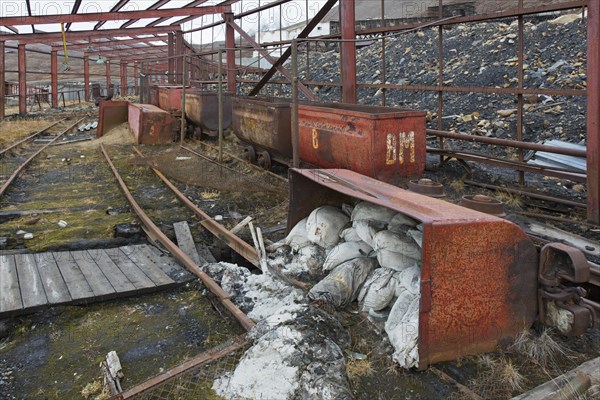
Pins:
<point x="127" y="52"/>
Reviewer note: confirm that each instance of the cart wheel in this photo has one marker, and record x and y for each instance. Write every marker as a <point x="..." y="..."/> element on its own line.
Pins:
<point x="264" y="160"/>
<point x="249" y="154"/>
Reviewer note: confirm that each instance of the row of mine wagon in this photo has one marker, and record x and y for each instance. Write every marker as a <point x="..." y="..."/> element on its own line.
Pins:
<point x="381" y="142"/>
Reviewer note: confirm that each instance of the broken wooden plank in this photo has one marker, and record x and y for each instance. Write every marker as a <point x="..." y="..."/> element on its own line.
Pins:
<point x="32" y="289"/>
<point x="168" y="265"/>
<point x="115" y="276"/>
<point x="98" y="282"/>
<point x="147" y="265"/>
<point x="78" y="286"/>
<point x="10" y="294"/>
<point x="205" y="254"/>
<point x="241" y="225"/>
<point x="54" y="284"/>
<point x="185" y="241"/>
<point x="135" y="275"/>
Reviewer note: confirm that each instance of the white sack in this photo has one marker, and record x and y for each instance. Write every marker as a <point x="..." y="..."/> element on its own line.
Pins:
<point x="379" y="290"/>
<point x="342" y="285"/>
<point x="373" y="212"/>
<point x="395" y="251"/>
<point x="324" y="225"/>
<point x="344" y="252"/>
<point x="298" y="236"/>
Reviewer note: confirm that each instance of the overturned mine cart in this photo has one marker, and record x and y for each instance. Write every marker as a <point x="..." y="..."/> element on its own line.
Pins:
<point x="482" y="280"/>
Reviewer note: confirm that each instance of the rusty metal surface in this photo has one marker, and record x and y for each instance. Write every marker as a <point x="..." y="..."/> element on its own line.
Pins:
<point x="381" y="142"/>
<point x="169" y="98"/>
<point x="155" y="232"/>
<point x="484" y="204"/>
<point x="202" y="108"/>
<point x="110" y="115"/>
<point x="427" y="187"/>
<point x="479" y="272"/>
<point x="149" y="124"/>
<point x="593" y="113"/>
<point x="264" y="123"/>
<point x="154" y="95"/>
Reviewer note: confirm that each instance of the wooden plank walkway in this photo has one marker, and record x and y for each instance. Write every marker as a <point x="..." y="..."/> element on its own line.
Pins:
<point x="29" y="282"/>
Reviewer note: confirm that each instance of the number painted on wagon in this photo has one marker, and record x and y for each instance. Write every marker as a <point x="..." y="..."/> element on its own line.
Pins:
<point x="396" y="146"/>
<point x="315" y="139"/>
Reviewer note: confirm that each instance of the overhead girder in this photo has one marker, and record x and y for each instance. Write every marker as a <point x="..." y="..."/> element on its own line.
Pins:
<point x="117" y="7"/>
<point x="154" y="6"/>
<point x="192" y="4"/>
<point x="111" y="43"/>
<point x="86" y="35"/>
<point x="74" y="11"/>
<point x="113" y="16"/>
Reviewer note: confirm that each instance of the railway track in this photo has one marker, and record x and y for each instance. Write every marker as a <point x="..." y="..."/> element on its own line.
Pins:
<point x="16" y="157"/>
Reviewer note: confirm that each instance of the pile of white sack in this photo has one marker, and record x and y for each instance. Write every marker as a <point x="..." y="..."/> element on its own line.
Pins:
<point x="367" y="253"/>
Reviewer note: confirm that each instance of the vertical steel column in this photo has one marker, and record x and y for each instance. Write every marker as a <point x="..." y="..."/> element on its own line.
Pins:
<point x="440" y="76"/>
<point x="230" y="53"/>
<point x="348" y="50"/>
<point x="136" y="77"/>
<point x="520" y="99"/>
<point x="107" y="75"/>
<point x="86" y="76"/>
<point x="123" y="66"/>
<point x="171" y="42"/>
<point x="54" y="77"/>
<point x="22" y="80"/>
<point x="180" y="48"/>
<point x="593" y="113"/>
<point x="2" y="81"/>
<point x="383" y="66"/>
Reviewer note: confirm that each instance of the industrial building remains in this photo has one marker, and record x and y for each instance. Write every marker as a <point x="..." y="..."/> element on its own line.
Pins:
<point x="300" y="199"/>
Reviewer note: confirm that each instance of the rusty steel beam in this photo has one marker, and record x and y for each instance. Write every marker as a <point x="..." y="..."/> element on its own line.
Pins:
<point x="307" y="92"/>
<point x="288" y="52"/>
<point x="136" y="79"/>
<point x="155" y="232"/>
<point x="348" y="50"/>
<point x="135" y="51"/>
<point x="171" y="44"/>
<point x="28" y="4"/>
<point x="179" y="49"/>
<point x="509" y="143"/>
<point x="86" y="76"/>
<point x="163" y="19"/>
<point x="22" y="80"/>
<point x="123" y="66"/>
<point x="86" y="35"/>
<point x="110" y="43"/>
<point x="117" y="7"/>
<point x="113" y="16"/>
<point x="593" y="113"/>
<point x="154" y="6"/>
<point x="124" y="49"/>
<point x="2" y="80"/>
<point x="108" y="72"/>
<point x="54" y="77"/>
<point x="230" y="53"/>
<point x="74" y="11"/>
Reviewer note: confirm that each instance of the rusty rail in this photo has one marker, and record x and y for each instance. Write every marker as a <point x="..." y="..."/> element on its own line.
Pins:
<point x="34" y="155"/>
<point x="210" y="284"/>
<point x="12" y="146"/>
<point x="235" y="243"/>
<point x="210" y="355"/>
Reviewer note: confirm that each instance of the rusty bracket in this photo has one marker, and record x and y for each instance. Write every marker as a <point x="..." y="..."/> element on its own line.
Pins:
<point x="561" y="265"/>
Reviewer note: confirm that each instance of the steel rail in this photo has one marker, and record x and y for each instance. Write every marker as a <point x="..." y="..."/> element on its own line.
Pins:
<point x="210" y="284"/>
<point x="527" y="194"/>
<point x="12" y="146"/>
<point x="233" y="241"/>
<point x="26" y="162"/>
<point x="256" y="167"/>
